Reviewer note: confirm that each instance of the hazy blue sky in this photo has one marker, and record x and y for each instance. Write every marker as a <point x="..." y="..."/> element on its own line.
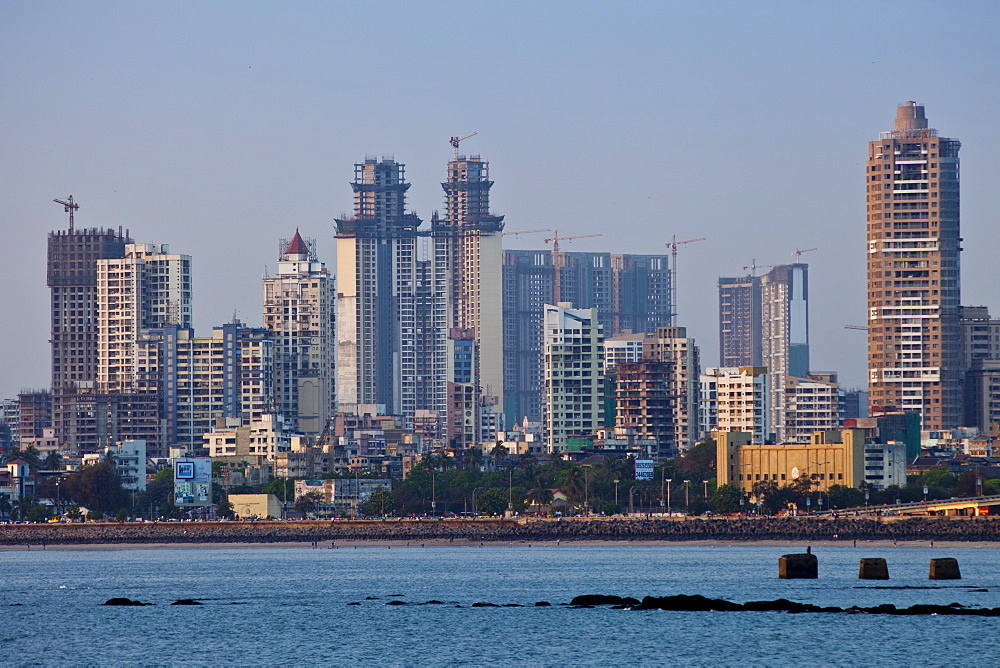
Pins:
<point x="220" y="127"/>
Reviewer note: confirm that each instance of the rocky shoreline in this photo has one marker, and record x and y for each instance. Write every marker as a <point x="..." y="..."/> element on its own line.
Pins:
<point x="499" y="530"/>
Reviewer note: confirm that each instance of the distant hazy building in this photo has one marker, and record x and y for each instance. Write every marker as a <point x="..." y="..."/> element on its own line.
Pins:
<point x="72" y="281"/>
<point x="914" y="329"/>
<point x="573" y="394"/>
<point x="377" y="283"/>
<point x="740" y="322"/>
<point x="147" y="289"/>
<point x="784" y="332"/>
<point x="299" y="313"/>
<point x="630" y="293"/>
<point x="467" y="257"/>
<point x="981" y="364"/>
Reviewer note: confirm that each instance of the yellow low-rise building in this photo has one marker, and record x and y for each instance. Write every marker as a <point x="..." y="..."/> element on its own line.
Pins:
<point x="835" y="457"/>
<point x="247" y="506"/>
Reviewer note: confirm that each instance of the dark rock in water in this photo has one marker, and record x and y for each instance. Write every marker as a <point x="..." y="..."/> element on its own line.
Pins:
<point x="684" y="603"/>
<point x="186" y="601"/>
<point x="971" y="590"/>
<point x="482" y="604"/>
<point x="354" y="603"/>
<point x="396" y="603"/>
<point x="578" y="607"/>
<point x="124" y="601"/>
<point x="396" y="595"/>
<point x="602" y="599"/>
<point x="371" y="598"/>
<point x="434" y="603"/>
<point x="543" y="604"/>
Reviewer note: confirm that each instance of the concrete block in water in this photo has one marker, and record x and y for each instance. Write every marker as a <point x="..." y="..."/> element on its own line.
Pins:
<point x="873" y="569"/>
<point x="945" y="569"/>
<point x="798" y="567"/>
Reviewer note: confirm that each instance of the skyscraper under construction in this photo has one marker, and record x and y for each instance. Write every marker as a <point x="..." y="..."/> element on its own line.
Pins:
<point x="914" y="326"/>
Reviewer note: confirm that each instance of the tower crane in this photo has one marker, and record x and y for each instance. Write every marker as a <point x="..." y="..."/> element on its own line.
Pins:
<point x="455" y="140"/>
<point x="69" y="206"/>
<point x="753" y="266"/>
<point x="672" y="245"/>
<point x="863" y="328"/>
<point x="557" y="257"/>
<point x="798" y="253"/>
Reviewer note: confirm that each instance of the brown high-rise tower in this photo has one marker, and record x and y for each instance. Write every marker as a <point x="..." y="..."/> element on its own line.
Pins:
<point x="914" y="336"/>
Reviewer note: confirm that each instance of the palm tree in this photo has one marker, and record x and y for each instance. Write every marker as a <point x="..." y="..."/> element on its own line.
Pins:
<point x="474" y="457"/>
<point x="528" y="461"/>
<point x="499" y="452"/>
<point x="573" y="482"/>
<point x="539" y="495"/>
<point x="52" y="461"/>
<point x="5" y="507"/>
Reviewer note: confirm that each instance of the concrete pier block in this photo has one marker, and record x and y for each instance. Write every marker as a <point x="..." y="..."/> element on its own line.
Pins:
<point x="798" y="567"/>
<point x="873" y="569"/>
<point x="945" y="569"/>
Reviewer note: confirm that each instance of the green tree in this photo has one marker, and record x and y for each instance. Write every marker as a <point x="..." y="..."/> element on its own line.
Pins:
<point x="381" y="503"/>
<point x="52" y="461"/>
<point x="308" y="502"/>
<point x="474" y="458"/>
<point x="938" y="477"/>
<point x="769" y="497"/>
<point x="965" y="485"/>
<point x="572" y="483"/>
<point x="5" y="507"/>
<point x="73" y="512"/>
<point x="98" y="487"/>
<point x="38" y="512"/>
<point x="491" y="502"/>
<point x="841" y="496"/>
<point x="726" y="499"/>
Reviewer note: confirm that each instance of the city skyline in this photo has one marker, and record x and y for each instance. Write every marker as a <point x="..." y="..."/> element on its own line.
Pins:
<point x="199" y="168"/>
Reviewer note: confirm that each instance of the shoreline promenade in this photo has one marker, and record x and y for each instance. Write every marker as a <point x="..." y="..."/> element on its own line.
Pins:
<point x="506" y="530"/>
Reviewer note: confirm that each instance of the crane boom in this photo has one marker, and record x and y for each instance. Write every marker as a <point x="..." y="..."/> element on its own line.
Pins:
<point x="557" y="259"/>
<point x="454" y="141"/>
<point x="798" y="253"/>
<point x="69" y="206"/>
<point x="525" y="232"/>
<point x="672" y="245"/>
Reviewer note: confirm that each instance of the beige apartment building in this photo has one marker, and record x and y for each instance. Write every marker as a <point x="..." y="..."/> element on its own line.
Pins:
<point x="914" y="330"/>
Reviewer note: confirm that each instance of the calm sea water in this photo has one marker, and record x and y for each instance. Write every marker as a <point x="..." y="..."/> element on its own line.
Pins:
<point x="289" y="606"/>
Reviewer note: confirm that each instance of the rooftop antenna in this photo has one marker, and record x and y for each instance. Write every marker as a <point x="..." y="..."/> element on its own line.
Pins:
<point x="69" y="206"/>
<point x="455" y="140"/>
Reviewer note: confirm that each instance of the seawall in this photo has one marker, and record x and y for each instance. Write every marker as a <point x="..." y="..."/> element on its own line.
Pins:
<point x="489" y="530"/>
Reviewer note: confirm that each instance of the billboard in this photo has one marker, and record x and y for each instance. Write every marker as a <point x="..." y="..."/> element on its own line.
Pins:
<point x="644" y="469"/>
<point x="193" y="481"/>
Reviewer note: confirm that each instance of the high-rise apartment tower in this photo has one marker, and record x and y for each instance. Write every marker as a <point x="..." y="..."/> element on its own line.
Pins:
<point x="914" y="328"/>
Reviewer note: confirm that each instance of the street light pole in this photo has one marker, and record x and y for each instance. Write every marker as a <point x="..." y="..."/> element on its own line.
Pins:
<point x="669" y="507"/>
<point x="616" y="491"/>
<point x="687" y="498"/>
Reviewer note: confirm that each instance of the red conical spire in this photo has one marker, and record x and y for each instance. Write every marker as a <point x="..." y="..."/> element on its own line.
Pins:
<point x="297" y="246"/>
